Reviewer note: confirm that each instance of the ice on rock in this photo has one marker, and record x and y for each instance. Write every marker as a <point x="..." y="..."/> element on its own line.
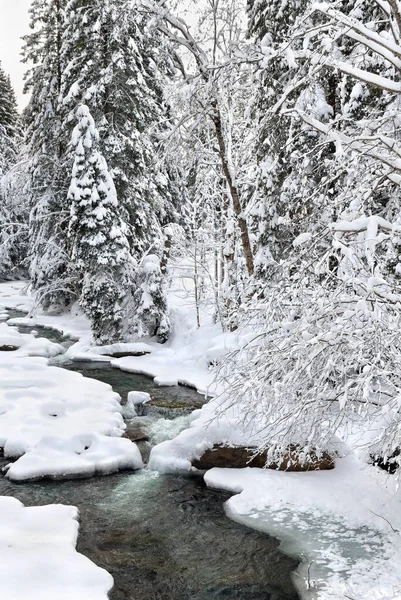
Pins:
<point x="81" y="455"/>
<point x="134" y="401"/>
<point x="38" y="559"/>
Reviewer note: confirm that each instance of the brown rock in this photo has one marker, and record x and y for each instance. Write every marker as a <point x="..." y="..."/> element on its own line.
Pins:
<point x="176" y="403"/>
<point x="124" y="354"/>
<point x="238" y="457"/>
<point x="135" y="433"/>
<point x="8" y="348"/>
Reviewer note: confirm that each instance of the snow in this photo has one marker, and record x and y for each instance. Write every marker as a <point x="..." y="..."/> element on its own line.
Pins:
<point x="15" y="295"/>
<point x="182" y="360"/>
<point x="303" y="238"/>
<point x="372" y="223"/>
<point x="81" y="455"/>
<point x="84" y="349"/>
<point x="38" y="559"/>
<point x="57" y="423"/>
<point x="134" y="400"/>
<point x="206" y="429"/>
<point x="344" y="537"/>
<point x="26" y="344"/>
<point x="340" y="522"/>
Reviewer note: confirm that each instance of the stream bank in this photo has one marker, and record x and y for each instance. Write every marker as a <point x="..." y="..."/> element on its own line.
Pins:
<point x="163" y="537"/>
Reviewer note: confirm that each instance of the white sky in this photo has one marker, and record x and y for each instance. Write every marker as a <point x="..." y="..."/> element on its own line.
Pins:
<point x="14" y="23"/>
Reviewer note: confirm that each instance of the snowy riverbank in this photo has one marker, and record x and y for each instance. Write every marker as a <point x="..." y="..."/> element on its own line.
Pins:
<point x="38" y="559"/>
<point x="344" y="523"/>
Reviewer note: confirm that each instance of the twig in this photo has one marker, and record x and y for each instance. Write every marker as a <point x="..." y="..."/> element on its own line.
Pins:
<point x="387" y="521"/>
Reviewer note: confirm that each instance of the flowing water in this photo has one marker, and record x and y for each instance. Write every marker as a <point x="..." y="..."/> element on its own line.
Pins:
<point x="163" y="537"/>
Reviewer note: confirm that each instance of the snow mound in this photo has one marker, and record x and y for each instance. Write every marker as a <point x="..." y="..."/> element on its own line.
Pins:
<point x="85" y="350"/>
<point x="134" y="400"/>
<point x="9" y="336"/>
<point x="13" y="295"/>
<point x="206" y="429"/>
<point x="38" y="401"/>
<point x="59" y="423"/>
<point x="38" y="559"/>
<point x="27" y="344"/>
<point x="81" y="455"/>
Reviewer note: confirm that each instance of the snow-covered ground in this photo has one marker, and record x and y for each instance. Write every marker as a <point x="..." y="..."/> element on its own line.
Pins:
<point x="183" y="359"/>
<point x="60" y="423"/>
<point x="38" y="559"/>
<point x="344" y="523"/>
<point x="15" y="295"/>
<point x="57" y="423"/>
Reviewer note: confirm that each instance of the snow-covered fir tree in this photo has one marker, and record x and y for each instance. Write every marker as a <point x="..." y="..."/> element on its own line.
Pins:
<point x="10" y="126"/>
<point x="149" y="317"/>
<point x="99" y="260"/>
<point x="47" y="142"/>
<point x="117" y="67"/>
<point x="13" y="206"/>
<point x="112" y="59"/>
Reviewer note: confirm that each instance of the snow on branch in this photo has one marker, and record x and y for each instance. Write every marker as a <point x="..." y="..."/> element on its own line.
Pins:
<point x="383" y="83"/>
<point x="362" y="224"/>
<point x="355" y="25"/>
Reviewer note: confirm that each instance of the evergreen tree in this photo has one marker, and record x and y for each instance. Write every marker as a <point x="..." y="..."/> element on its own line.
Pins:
<point x="13" y="209"/>
<point x="46" y="145"/>
<point x="10" y="126"/>
<point x="99" y="250"/>
<point x="149" y="317"/>
<point x="116" y="68"/>
<point x="288" y="194"/>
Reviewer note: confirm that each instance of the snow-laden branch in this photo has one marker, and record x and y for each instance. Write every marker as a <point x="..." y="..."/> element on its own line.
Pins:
<point x="383" y="83"/>
<point x="372" y="45"/>
<point x="391" y="45"/>
<point x="362" y="224"/>
<point x="362" y="145"/>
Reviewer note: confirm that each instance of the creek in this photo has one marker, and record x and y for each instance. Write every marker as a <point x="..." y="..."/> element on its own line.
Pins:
<point x="162" y="537"/>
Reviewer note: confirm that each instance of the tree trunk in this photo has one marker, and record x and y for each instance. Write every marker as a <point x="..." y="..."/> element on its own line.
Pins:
<point x="242" y="224"/>
<point x="166" y="253"/>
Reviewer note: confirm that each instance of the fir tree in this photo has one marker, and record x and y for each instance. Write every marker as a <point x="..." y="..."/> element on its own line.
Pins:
<point x="46" y="145"/>
<point x="13" y="209"/>
<point x="99" y="250"/>
<point x="149" y="303"/>
<point x="116" y="69"/>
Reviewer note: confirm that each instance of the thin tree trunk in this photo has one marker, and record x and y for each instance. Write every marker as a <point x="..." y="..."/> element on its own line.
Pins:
<point x="196" y="286"/>
<point x="242" y="224"/>
<point x="166" y="253"/>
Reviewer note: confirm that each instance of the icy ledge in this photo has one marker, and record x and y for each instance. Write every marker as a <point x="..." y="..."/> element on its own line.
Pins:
<point x="38" y="559"/>
<point x="339" y="522"/>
